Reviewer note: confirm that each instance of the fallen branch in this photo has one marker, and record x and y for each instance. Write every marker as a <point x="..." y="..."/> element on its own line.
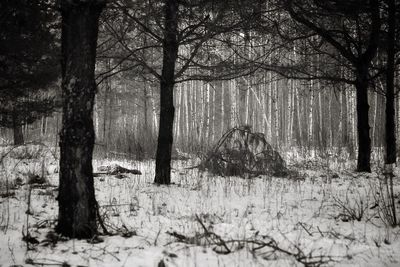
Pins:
<point x="257" y="244"/>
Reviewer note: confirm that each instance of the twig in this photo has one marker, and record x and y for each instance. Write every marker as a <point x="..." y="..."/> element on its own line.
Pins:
<point x="302" y="226"/>
<point x="220" y="241"/>
<point x="103" y="227"/>
<point x="307" y="259"/>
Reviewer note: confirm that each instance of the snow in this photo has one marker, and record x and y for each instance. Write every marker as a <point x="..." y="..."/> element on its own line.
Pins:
<point x="303" y="213"/>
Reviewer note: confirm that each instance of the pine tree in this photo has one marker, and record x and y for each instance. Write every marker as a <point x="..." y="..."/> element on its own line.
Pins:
<point x="76" y="199"/>
<point x="28" y="63"/>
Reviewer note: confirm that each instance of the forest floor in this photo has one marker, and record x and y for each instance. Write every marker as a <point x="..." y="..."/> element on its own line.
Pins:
<point x="327" y="215"/>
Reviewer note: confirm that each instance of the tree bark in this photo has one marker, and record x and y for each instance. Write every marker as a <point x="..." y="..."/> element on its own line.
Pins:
<point x="390" y="127"/>
<point x="18" y="133"/>
<point x="167" y="109"/>
<point x="76" y="199"/>
<point x="364" y="141"/>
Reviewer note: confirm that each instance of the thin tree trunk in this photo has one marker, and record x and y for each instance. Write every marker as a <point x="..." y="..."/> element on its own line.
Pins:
<point x="17" y="132"/>
<point x="310" y="117"/>
<point x="276" y="113"/>
<point x="390" y="125"/>
<point x="397" y="119"/>
<point x="167" y="109"/>
<point x="232" y="93"/>
<point x="299" y="117"/>
<point x="201" y="114"/>
<point x="346" y="111"/>
<point x="76" y="198"/>
<point x="298" y="103"/>
<point x="107" y="90"/>
<point x="222" y="107"/>
<point x="43" y="126"/>
<point x="193" y="113"/>
<point x="320" y="123"/>
<point x="374" y="122"/>
<point x="350" y="122"/>
<point x="290" y="113"/>
<point x="364" y="141"/>
<point x="260" y="103"/>
<point x="146" y="126"/>
<point x="110" y="115"/>
<point x="330" y="129"/>
<point x="213" y="112"/>
<point x="208" y="114"/>
<point x="341" y="122"/>
<point x="154" y="113"/>
<point x="247" y="101"/>
<point x="187" y="111"/>
<point x="178" y="113"/>
<point x="269" y="106"/>
<point x="96" y="118"/>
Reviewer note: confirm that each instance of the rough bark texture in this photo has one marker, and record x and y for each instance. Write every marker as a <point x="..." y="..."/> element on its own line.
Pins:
<point x="364" y="140"/>
<point x="167" y="109"/>
<point x="77" y="203"/>
<point x="390" y="128"/>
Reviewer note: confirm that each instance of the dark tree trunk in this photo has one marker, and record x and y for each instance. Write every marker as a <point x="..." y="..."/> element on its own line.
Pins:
<point x="18" y="133"/>
<point x="390" y="128"/>
<point x="76" y="199"/>
<point x="167" y="109"/>
<point x="364" y="140"/>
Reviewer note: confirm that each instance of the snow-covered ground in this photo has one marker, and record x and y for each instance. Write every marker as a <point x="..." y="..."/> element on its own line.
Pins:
<point x="202" y="220"/>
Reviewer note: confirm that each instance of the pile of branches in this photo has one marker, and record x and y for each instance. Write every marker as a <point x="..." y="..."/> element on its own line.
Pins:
<point x="115" y="169"/>
<point x="240" y="152"/>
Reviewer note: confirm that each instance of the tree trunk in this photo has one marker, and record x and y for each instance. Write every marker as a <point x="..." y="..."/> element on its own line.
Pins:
<point x="310" y="117"/>
<point x="18" y="133"/>
<point x="43" y="126"/>
<point x="345" y="119"/>
<point x="299" y="117"/>
<point x="213" y="119"/>
<point x="76" y="199"/>
<point x="177" y="104"/>
<point x="269" y="106"/>
<point x="364" y="141"/>
<point x="351" y="123"/>
<point x="187" y="120"/>
<point x="146" y="125"/>
<point x="276" y="113"/>
<point x="167" y="109"/>
<point x="234" y="106"/>
<point x="390" y="127"/>
<point x="200" y="125"/>
<point x="374" y="121"/>
<point x="208" y="114"/>
<point x="222" y="108"/>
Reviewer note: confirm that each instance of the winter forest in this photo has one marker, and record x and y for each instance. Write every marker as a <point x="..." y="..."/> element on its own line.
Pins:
<point x="199" y="133"/>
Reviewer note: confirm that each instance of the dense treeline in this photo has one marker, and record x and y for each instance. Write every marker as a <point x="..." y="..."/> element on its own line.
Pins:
<point x="309" y="112"/>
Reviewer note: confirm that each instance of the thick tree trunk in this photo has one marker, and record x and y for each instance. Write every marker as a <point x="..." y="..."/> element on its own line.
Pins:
<point x="76" y="199"/>
<point x="390" y="127"/>
<point x="364" y="141"/>
<point x="167" y="109"/>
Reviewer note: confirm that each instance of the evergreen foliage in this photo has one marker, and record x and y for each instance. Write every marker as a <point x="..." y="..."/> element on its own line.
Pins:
<point x="28" y="61"/>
